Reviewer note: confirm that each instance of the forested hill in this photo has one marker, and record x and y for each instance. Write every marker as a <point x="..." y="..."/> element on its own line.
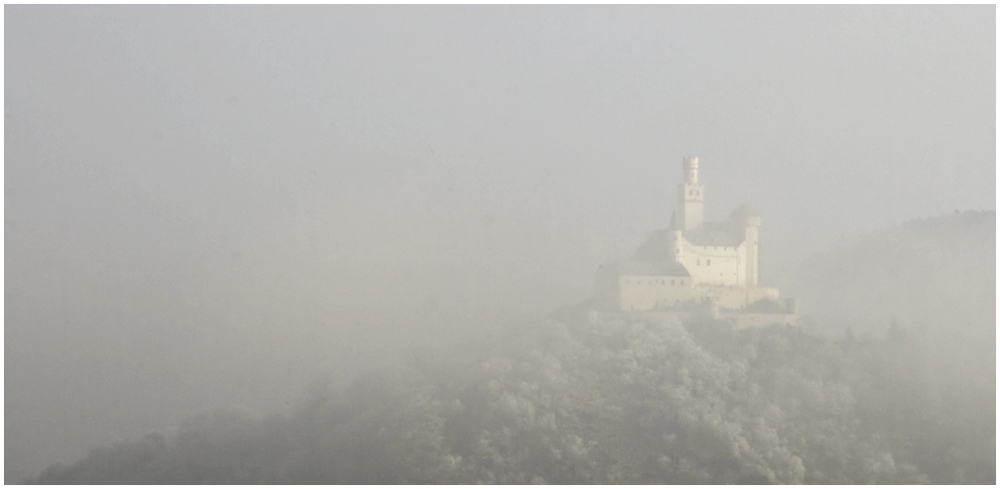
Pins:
<point x="581" y="397"/>
<point x="939" y="271"/>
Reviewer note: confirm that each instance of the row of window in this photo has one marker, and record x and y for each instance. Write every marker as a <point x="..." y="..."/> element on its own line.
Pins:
<point x="715" y="248"/>
<point x="708" y="262"/>
<point x="653" y="282"/>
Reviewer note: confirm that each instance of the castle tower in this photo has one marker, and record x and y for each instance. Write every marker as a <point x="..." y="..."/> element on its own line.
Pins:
<point x="751" y="226"/>
<point x="691" y="199"/>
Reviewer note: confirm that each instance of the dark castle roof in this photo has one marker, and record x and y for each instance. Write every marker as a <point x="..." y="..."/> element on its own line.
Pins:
<point x="668" y="269"/>
<point x="656" y="248"/>
<point x="730" y="233"/>
<point x="742" y="212"/>
<point x="716" y="234"/>
<point x="657" y="245"/>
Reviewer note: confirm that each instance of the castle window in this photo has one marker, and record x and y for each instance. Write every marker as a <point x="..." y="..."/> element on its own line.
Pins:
<point x="708" y="262"/>
<point x="672" y="282"/>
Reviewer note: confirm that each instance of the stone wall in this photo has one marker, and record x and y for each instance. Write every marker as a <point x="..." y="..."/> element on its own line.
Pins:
<point x="650" y="292"/>
<point x="715" y="265"/>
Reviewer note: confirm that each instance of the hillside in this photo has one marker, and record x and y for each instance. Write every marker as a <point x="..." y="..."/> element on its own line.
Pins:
<point x="923" y="273"/>
<point x="581" y="397"/>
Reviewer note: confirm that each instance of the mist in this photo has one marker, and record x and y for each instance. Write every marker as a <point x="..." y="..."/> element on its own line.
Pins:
<point x="210" y="207"/>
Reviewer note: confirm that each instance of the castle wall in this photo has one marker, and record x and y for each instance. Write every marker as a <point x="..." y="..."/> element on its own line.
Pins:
<point x="649" y="292"/>
<point x="739" y="320"/>
<point x="715" y="265"/>
<point x="735" y="297"/>
<point x="757" y="319"/>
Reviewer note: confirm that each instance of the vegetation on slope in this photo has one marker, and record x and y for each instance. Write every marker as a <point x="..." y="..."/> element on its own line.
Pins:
<point x="591" y="400"/>
<point x="583" y="397"/>
<point x="933" y="272"/>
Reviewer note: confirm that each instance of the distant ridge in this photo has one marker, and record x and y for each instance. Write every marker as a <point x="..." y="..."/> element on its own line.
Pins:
<point x="939" y="269"/>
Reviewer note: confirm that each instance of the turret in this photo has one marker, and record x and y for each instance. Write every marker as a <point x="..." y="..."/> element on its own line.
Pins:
<point x="749" y="220"/>
<point x="751" y="227"/>
<point x="690" y="196"/>
<point x="676" y="249"/>
<point x="691" y="170"/>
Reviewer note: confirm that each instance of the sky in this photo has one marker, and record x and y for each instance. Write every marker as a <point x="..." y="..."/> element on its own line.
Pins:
<point x="209" y="206"/>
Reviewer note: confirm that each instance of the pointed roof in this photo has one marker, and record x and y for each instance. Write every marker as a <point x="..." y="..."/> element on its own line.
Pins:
<point x="655" y="248"/>
<point x="743" y="211"/>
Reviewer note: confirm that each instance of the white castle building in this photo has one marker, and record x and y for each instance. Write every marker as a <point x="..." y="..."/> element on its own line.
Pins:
<point x="693" y="263"/>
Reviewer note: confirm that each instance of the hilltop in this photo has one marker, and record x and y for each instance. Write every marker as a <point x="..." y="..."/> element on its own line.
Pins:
<point x="589" y="397"/>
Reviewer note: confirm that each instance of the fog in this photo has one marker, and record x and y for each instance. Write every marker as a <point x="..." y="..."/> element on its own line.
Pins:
<point x="209" y="208"/>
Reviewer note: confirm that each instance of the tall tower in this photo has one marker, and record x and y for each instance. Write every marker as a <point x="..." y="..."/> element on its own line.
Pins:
<point x="691" y="199"/>
<point x="751" y="226"/>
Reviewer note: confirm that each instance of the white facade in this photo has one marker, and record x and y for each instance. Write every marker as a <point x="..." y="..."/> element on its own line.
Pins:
<point x="650" y="292"/>
<point x="693" y="261"/>
<point x="716" y="265"/>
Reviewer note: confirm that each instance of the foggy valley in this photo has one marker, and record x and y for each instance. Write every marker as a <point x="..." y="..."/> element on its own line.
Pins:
<point x="472" y="244"/>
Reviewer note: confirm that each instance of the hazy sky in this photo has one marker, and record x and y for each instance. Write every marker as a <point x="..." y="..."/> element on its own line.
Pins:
<point x="204" y="203"/>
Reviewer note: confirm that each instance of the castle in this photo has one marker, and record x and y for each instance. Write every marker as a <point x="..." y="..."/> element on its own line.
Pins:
<point x="694" y="264"/>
